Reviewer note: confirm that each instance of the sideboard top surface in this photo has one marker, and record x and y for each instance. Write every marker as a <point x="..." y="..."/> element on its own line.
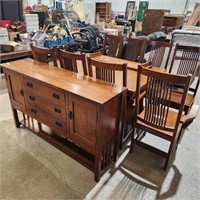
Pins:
<point x="84" y="86"/>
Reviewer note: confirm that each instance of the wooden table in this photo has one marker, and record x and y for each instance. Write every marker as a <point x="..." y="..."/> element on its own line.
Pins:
<point x="131" y="64"/>
<point x="14" y="55"/>
<point x="132" y="70"/>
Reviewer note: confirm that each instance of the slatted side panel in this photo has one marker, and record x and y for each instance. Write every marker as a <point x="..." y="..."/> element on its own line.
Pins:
<point x="107" y="153"/>
<point x="188" y="63"/>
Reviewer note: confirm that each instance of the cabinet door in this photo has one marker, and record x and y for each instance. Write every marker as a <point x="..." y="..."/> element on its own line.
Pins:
<point x="82" y="119"/>
<point x="14" y="85"/>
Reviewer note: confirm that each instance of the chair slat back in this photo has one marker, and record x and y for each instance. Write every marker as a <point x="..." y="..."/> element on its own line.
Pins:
<point x="158" y="93"/>
<point x="107" y="71"/>
<point x="69" y="60"/>
<point x="158" y="52"/>
<point x="112" y="45"/>
<point x="43" y="54"/>
<point x="189" y="59"/>
<point x="135" y="49"/>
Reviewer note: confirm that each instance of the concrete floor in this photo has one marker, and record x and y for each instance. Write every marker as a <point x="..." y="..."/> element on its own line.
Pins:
<point x="30" y="168"/>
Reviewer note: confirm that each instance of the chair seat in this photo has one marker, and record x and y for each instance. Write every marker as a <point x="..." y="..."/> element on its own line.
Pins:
<point x="176" y="98"/>
<point x="170" y="123"/>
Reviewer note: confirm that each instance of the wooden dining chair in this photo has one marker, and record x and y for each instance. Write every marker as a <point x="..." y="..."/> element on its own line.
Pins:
<point x="107" y="71"/>
<point x="69" y="61"/>
<point x="112" y="45"/>
<point x="158" y="53"/>
<point x="43" y="54"/>
<point x="157" y="117"/>
<point x="186" y="60"/>
<point x="135" y="49"/>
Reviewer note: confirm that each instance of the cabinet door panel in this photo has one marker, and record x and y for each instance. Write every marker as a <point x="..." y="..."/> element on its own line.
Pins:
<point x="83" y="119"/>
<point x="14" y="84"/>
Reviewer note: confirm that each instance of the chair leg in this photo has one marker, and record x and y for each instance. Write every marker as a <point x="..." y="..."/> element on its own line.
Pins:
<point x="180" y="135"/>
<point x="172" y="151"/>
<point x="132" y="140"/>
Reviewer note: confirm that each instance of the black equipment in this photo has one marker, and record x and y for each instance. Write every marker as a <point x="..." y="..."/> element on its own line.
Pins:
<point x="88" y="39"/>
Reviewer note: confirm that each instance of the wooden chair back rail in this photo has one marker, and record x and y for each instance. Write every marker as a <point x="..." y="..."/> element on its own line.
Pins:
<point x="135" y="49"/>
<point x="42" y="54"/>
<point x="69" y="60"/>
<point x="112" y="45"/>
<point x="157" y="51"/>
<point x="106" y="71"/>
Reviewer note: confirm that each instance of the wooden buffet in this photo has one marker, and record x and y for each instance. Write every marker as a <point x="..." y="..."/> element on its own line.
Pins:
<point x="83" y="114"/>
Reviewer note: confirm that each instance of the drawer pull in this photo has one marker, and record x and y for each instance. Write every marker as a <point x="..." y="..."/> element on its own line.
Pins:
<point x="22" y="92"/>
<point x="33" y="110"/>
<point x="29" y="84"/>
<point x="57" y="110"/>
<point x="70" y="115"/>
<point x="58" y="124"/>
<point x="56" y="96"/>
<point x="32" y="98"/>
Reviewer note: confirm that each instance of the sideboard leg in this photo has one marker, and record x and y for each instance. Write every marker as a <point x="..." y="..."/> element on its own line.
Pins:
<point x="16" y="118"/>
<point x="97" y="170"/>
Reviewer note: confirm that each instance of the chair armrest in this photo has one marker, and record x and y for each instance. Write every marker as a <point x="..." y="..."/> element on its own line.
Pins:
<point x="186" y="120"/>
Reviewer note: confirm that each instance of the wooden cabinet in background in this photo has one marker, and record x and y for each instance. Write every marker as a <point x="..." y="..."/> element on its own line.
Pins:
<point x="174" y="21"/>
<point x="104" y="10"/>
<point x="152" y="21"/>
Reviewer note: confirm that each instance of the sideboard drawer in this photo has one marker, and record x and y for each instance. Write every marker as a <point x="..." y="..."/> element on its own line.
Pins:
<point x="44" y="90"/>
<point x="53" y="122"/>
<point x="55" y="109"/>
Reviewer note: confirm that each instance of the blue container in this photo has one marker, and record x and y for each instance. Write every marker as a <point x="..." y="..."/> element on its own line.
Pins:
<point x="49" y="43"/>
<point x="58" y="41"/>
<point x="70" y="39"/>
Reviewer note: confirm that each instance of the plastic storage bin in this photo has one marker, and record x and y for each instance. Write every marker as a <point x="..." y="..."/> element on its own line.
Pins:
<point x="59" y="41"/>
